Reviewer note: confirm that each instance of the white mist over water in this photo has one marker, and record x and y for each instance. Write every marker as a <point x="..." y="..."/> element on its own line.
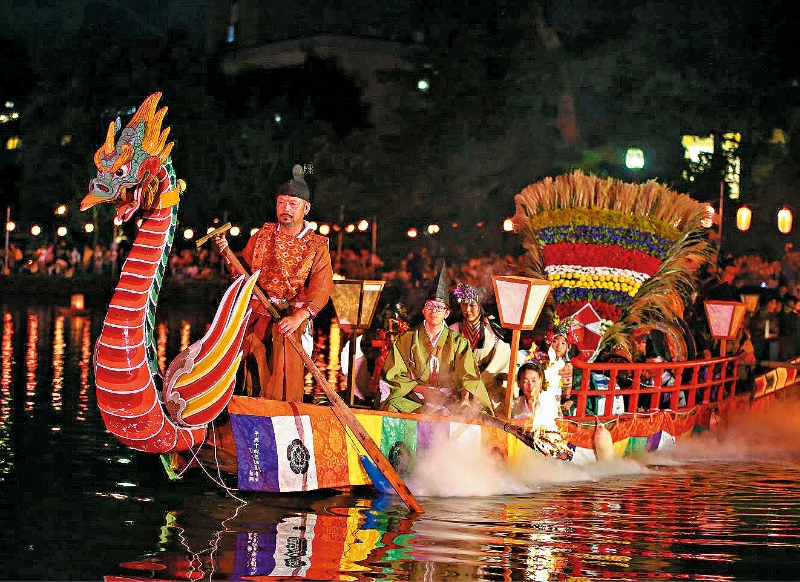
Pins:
<point x="459" y="469"/>
<point x="463" y="468"/>
<point x="769" y="436"/>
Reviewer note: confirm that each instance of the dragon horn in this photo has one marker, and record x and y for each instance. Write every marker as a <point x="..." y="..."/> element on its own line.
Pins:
<point x="109" y="146"/>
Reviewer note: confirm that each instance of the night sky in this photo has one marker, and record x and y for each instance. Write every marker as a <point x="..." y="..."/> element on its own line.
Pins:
<point x="48" y="24"/>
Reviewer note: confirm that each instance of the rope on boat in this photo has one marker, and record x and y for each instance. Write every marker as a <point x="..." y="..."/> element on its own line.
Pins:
<point x="219" y="479"/>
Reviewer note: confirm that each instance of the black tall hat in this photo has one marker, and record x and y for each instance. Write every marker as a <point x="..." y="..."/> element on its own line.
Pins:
<point x="439" y="291"/>
<point x="297" y="186"/>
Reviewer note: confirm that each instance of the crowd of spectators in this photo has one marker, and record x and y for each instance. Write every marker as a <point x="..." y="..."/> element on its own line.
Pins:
<point x="413" y="270"/>
<point x="61" y="260"/>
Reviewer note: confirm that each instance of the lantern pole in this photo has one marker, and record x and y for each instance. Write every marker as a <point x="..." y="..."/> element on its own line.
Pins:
<point x="512" y="368"/>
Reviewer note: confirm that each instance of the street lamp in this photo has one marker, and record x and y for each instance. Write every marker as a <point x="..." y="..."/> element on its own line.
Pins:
<point x="519" y="302"/>
<point x="634" y="159"/>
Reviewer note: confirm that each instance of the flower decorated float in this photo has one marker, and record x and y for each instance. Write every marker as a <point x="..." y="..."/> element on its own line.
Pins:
<point x="617" y="254"/>
<point x="620" y="256"/>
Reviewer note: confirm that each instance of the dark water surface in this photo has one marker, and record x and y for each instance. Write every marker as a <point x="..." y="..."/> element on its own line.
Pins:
<point x="76" y="505"/>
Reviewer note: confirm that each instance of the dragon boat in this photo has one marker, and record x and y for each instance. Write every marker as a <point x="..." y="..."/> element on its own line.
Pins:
<point x="630" y="275"/>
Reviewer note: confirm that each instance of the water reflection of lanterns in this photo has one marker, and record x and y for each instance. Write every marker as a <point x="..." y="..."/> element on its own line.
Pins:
<point x="31" y="361"/>
<point x="186" y="334"/>
<point x="785" y="220"/>
<point x="161" y="347"/>
<point x="83" y="366"/>
<point x="5" y="377"/>
<point x="743" y="217"/>
<point x="58" y="364"/>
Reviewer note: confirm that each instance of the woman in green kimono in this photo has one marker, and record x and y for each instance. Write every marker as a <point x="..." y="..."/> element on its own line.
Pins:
<point x="431" y="368"/>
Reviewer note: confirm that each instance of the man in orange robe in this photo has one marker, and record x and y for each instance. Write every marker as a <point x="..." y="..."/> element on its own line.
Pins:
<point x="296" y="275"/>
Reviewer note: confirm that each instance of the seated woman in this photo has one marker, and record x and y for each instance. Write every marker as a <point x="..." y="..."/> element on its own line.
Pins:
<point x="539" y="404"/>
<point x="430" y="368"/>
<point x="536" y="400"/>
<point x="485" y="338"/>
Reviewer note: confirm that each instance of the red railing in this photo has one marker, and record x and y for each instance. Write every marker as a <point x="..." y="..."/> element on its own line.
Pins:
<point x="644" y="387"/>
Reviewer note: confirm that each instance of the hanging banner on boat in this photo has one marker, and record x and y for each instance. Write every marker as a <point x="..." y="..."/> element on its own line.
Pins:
<point x="283" y="447"/>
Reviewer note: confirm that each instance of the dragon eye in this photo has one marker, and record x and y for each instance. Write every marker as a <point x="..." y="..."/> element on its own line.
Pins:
<point x="123" y="171"/>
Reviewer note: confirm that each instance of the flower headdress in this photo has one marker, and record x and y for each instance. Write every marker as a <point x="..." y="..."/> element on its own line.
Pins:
<point x="466" y="293"/>
<point x="561" y="327"/>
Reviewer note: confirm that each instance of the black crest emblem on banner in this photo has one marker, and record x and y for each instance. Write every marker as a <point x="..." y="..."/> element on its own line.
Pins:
<point x="298" y="456"/>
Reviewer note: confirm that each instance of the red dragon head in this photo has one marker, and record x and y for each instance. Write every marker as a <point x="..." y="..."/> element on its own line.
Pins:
<point x="131" y="172"/>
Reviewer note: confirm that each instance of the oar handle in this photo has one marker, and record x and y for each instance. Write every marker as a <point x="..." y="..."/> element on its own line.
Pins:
<point x="340" y="409"/>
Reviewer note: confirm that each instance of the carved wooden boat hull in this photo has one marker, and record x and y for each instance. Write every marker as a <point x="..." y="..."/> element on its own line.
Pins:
<point x="276" y="446"/>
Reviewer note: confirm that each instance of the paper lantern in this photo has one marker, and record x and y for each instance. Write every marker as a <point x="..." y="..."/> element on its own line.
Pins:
<point x="743" y="217"/>
<point x="724" y="319"/>
<point x="785" y="220"/>
<point x="519" y="303"/>
<point x="355" y="301"/>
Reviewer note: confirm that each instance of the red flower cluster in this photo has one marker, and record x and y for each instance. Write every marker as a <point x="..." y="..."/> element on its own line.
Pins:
<point x="603" y="309"/>
<point x="596" y="255"/>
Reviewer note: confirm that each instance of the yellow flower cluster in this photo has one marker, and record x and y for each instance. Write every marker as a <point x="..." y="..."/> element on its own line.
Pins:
<point x="595" y="281"/>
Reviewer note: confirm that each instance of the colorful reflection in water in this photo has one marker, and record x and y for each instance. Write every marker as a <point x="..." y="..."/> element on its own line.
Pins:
<point x="58" y="363"/>
<point x="82" y="506"/>
<point x="84" y="364"/>
<point x="6" y="398"/>
<point x="31" y="360"/>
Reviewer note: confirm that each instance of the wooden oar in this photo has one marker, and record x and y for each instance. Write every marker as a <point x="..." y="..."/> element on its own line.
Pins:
<point x="340" y="409"/>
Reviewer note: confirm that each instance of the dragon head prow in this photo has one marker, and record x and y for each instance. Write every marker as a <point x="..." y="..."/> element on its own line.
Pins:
<point x="129" y="171"/>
